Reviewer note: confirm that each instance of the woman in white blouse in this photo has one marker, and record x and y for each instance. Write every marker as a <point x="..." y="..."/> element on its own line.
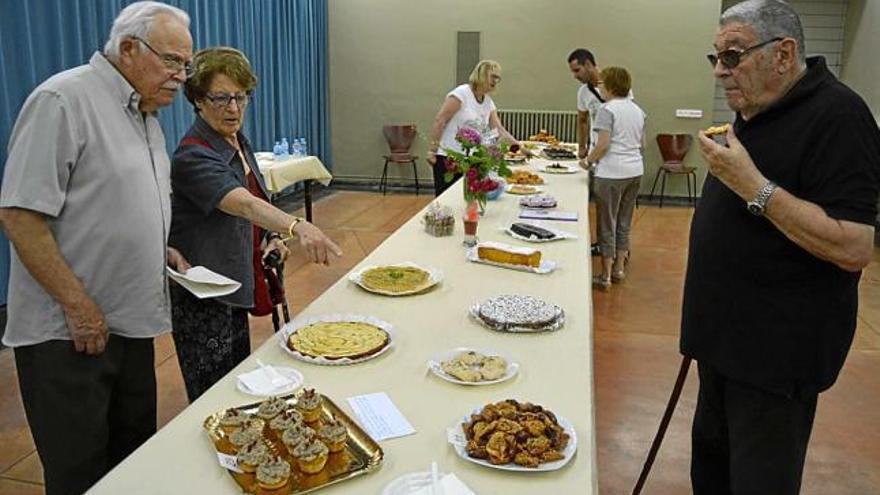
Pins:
<point x="468" y="105"/>
<point x="620" y="126"/>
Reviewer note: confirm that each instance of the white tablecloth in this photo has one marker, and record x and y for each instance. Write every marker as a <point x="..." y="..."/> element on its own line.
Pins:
<point x="280" y="174"/>
<point x="556" y="369"/>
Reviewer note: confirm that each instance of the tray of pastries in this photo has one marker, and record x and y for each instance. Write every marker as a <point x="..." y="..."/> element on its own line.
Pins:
<point x="514" y="257"/>
<point x="466" y="366"/>
<point x="522" y="189"/>
<point x="558" y="168"/>
<point x="336" y="339"/>
<point x="538" y="201"/>
<point x="544" y="136"/>
<point x="291" y="445"/>
<point x="401" y="279"/>
<point x="524" y="177"/>
<point x="514" y="436"/>
<point x="518" y="314"/>
<point x="559" y="152"/>
<point x="533" y="232"/>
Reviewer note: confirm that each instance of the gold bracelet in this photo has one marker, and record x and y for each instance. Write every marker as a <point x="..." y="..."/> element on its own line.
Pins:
<point x="296" y="221"/>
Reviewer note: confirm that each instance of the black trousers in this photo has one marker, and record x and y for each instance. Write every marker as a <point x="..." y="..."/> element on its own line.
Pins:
<point x="440" y="183"/>
<point x="86" y="413"/>
<point x="747" y="440"/>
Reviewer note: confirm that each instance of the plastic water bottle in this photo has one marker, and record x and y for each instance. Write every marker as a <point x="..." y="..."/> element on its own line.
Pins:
<point x="276" y="151"/>
<point x="297" y="149"/>
<point x="303" y="147"/>
<point x="285" y="148"/>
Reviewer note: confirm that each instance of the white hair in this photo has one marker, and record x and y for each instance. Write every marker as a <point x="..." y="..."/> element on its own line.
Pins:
<point x="137" y="20"/>
<point x="769" y="19"/>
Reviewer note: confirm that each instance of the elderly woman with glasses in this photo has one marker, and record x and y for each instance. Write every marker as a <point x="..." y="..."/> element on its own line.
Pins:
<point x="222" y="220"/>
<point x="467" y="105"/>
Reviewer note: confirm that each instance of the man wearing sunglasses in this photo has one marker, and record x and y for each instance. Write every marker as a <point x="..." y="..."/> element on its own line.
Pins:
<point x="86" y="204"/>
<point x="778" y="242"/>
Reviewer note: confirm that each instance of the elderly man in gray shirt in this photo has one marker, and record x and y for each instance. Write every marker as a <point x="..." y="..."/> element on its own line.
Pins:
<point x="86" y="204"/>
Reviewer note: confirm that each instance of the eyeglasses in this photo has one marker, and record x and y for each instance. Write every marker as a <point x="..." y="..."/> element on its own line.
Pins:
<point x="731" y="58"/>
<point x="223" y="100"/>
<point x="171" y="62"/>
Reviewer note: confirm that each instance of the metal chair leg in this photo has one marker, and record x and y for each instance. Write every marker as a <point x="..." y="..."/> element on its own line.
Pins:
<point x="662" y="189"/>
<point x="651" y="196"/>
<point x="383" y="183"/>
<point x="416" y="175"/>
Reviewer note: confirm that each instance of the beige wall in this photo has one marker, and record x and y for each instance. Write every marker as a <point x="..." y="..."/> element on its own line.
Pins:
<point x="861" y="66"/>
<point x="392" y="61"/>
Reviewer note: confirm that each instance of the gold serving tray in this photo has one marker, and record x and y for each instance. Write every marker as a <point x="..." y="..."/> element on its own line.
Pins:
<point x="361" y="455"/>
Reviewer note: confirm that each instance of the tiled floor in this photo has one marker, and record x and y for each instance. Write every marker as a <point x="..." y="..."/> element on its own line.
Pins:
<point x="636" y="328"/>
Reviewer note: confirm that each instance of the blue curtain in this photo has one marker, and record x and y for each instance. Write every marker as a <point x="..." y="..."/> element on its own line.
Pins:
<point x="286" y="41"/>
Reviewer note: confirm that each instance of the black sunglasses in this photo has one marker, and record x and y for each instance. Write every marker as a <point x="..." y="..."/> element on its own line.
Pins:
<point x="731" y="58"/>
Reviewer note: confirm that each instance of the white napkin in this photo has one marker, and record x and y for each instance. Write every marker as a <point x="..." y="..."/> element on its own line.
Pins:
<point x="259" y="381"/>
<point x="449" y="485"/>
<point x="204" y="283"/>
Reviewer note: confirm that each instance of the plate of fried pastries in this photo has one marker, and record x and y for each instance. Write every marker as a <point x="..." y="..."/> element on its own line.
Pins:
<point x="399" y="279"/>
<point x="466" y="366"/>
<point x="514" y="436"/>
<point x="336" y="339"/>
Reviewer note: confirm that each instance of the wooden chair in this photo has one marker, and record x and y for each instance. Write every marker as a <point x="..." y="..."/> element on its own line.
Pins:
<point x="673" y="148"/>
<point x="400" y="139"/>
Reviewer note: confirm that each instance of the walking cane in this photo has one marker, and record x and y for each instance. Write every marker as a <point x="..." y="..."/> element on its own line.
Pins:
<point x="664" y="423"/>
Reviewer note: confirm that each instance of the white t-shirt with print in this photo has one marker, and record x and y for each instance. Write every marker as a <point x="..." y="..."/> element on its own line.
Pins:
<point x="626" y="123"/>
<point x="471" y="114"/>
<point x="588" y="102"/>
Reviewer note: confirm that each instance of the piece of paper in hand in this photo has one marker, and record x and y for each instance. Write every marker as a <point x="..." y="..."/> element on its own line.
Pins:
<point x="204" y="283"/>
<point x="379" y="416"/>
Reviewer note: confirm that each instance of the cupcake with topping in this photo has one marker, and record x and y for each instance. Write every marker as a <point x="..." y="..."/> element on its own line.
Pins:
<point x="334" y="434"/>
<point x="232" y="419"/>
<point x="283" y="421"/>
<point x="311" y="455"/>
<point x="243" y="436"/>
<point x="273" y="473"/>
<point x="271" y="407"/>
<point x="296" y="435"/>
<point x="252" y="455"/>
<point x="309" y="405"/>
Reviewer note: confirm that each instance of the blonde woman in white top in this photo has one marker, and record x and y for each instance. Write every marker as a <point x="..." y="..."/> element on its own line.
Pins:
<point x="620" y="127"/>
<point x="467" y="105"/>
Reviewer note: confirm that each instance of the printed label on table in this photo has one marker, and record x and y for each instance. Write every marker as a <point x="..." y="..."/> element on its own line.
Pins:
<point x="379" y="416"/>
<point x="229" y="462"/>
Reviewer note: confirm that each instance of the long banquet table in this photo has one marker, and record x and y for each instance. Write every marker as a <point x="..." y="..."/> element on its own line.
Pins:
<point x="556" y="369"/>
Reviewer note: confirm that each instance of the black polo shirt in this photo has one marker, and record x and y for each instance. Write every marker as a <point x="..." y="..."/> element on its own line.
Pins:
<point x="758" y="307"/>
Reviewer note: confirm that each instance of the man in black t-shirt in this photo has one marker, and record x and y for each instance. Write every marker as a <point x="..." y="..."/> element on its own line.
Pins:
<point x="777" y="245"/>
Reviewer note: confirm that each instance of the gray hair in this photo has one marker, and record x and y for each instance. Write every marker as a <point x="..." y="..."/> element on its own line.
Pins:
<point x="769" y="19"/>
<point x="137" y="20"/>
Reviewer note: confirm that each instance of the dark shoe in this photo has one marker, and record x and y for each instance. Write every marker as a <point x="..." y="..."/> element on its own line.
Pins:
<point x="594" y="249"/>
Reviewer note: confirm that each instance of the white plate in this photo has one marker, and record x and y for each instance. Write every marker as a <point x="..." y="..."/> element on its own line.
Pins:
<point x="560" y="234"/>
<point x="537" y="190"/>
<point x="474" y="311"/>
<point x="566" y="169"/>
<point x="298" y="323"/>
<point x="544" y="268"/>
<point x="410" y="483"/>
<point x="456" y="437"/>
<point x="291" y="374"/>
<point x="434" y="366"/>
<point x="435" y="276"/>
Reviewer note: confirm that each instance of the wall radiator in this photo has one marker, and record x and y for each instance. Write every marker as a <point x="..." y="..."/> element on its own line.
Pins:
<point x="524" y="123"/>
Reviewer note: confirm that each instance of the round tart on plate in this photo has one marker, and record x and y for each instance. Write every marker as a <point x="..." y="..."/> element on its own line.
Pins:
<point x="338" y="340"/>
<point x="510" y="312"/>
<point x="396" y="280"/>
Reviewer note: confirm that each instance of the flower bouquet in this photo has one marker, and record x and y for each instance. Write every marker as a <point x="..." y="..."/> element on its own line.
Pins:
<point x="477" y="162"/>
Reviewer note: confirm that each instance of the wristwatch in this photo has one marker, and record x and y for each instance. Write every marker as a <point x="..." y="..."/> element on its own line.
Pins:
<point x="759" y="203"/>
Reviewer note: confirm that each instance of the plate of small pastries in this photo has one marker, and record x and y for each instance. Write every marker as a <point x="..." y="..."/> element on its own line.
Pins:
<point x="514" y="257"/>
<point x="400" y="279"/>
<point x="336" y="339"/>
<point x="518" y="313"/>
<point x="514" y="436"/>
<point x="538" y="201"/>
<point x="544" y="136"/>
<point x="559" y="152"/>
<point x="558" y="168"/>
<point x="531" y="232"/>
<point x="523" y="190"/>
<point x="524" y="177"/>
<point x="466" y="366"/>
